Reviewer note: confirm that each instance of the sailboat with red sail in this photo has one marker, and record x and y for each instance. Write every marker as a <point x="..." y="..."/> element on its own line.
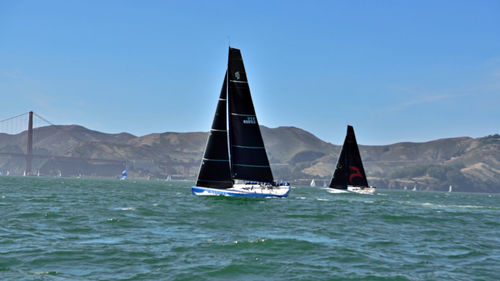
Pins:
<point x="349" y="175"/>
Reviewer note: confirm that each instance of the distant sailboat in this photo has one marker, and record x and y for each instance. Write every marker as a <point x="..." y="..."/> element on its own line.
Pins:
<point x="349" y="175"/>
<point x="313" y="183"/>
<point x="59" y="174"/>
<point x="414" y="188"/>
<point x="450" y="188"/>
<point x="169" y="178"/>
<point x="38" y="173"/>
<point x="124" y="175"/>
<point x="235" y="162"/>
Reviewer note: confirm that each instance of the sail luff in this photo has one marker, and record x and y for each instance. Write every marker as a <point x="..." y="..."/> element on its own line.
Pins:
<point x="228" y="141"/>
<point x="339" y="179"/>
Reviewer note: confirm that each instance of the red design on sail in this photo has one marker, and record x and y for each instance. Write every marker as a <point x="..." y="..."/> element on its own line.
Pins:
<point x="355" y="173"/>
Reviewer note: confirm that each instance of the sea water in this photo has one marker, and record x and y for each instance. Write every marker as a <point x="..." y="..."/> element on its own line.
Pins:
<point x="94" y="229"/>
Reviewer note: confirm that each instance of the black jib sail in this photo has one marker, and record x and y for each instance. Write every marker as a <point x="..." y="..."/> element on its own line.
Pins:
<point x="349" y="170"/>
<point x="248" y="155"/>
<point x="215" y="170"/>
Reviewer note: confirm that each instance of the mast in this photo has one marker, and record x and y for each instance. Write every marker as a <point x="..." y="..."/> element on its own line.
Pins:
<point x="248" y="154"/>
<point x="349" y="170"/>
<point x="214" y="169"/>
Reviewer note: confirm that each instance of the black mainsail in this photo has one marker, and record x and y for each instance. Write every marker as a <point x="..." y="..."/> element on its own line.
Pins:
<point x="215" y="169"/>
<point x="349" y="170"/>
<point x="248" y="159"/>
<point x="248" y="155"/>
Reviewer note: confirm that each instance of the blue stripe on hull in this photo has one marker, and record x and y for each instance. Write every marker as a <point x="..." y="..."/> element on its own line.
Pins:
<point x="196" y="190"/>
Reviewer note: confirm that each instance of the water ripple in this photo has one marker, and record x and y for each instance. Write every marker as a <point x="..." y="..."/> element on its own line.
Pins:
<point x="64" y="229"/>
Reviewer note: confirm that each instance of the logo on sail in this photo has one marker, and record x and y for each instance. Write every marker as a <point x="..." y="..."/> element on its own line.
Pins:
<point x="355" y="173"/>
<point x="250" y="120"/>
<point x="237" y="75"/>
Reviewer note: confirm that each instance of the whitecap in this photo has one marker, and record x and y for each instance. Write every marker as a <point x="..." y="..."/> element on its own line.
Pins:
<point x="43" y="272"/>
<point x="262" y="240"/>
<point x="468" y="206"/>
<point x="126" y="209"/>
<point x="430" y="205"/>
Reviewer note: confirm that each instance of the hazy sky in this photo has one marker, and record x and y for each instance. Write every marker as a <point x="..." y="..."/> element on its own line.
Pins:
<point x="395" y="70"/>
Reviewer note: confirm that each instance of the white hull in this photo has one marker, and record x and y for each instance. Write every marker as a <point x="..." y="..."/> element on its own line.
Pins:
<point x="353" y="189"/>
<point x="244" y="190"/>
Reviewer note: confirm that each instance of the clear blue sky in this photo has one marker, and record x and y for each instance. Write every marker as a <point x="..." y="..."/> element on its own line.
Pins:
<point x="395" y="70"/>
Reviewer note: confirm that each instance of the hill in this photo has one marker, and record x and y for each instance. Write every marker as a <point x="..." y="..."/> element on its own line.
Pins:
<point x="469" y="164"/>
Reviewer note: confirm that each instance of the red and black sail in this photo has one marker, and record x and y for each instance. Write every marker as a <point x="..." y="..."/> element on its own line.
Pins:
<point x="349" y="170"/>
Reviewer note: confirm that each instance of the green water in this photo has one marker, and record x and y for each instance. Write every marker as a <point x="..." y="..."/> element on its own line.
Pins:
<point x="82" y="229"/>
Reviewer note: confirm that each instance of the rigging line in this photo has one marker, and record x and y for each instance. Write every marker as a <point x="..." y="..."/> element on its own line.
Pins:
<point x="37" y="115"/>
<point x="13" y="117"/>
<point x="58" y="127"/>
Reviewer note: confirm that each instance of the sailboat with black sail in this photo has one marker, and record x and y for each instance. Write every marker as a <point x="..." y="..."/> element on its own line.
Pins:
<point x="235" y="162"/>
<point x="349" y="175"/>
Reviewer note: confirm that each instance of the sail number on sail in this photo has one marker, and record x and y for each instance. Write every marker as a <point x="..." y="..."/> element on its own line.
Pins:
<point x="250" y="120"/>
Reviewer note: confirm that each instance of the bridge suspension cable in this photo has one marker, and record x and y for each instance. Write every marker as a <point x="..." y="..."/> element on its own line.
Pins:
<point x="42" y="118"/>
<point x="14" y="117"/>
<point x="18" y="124"/>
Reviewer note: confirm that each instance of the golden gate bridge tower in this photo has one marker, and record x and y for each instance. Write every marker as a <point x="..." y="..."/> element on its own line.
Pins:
<point x="17" y="124"/>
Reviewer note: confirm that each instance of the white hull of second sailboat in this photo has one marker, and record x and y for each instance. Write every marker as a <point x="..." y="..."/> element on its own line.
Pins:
<point x="353" y="189"/>
<point x="243" y="190"/>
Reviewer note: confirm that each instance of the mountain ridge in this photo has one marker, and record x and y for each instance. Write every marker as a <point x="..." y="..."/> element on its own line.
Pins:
<point x="468" y="164"/>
